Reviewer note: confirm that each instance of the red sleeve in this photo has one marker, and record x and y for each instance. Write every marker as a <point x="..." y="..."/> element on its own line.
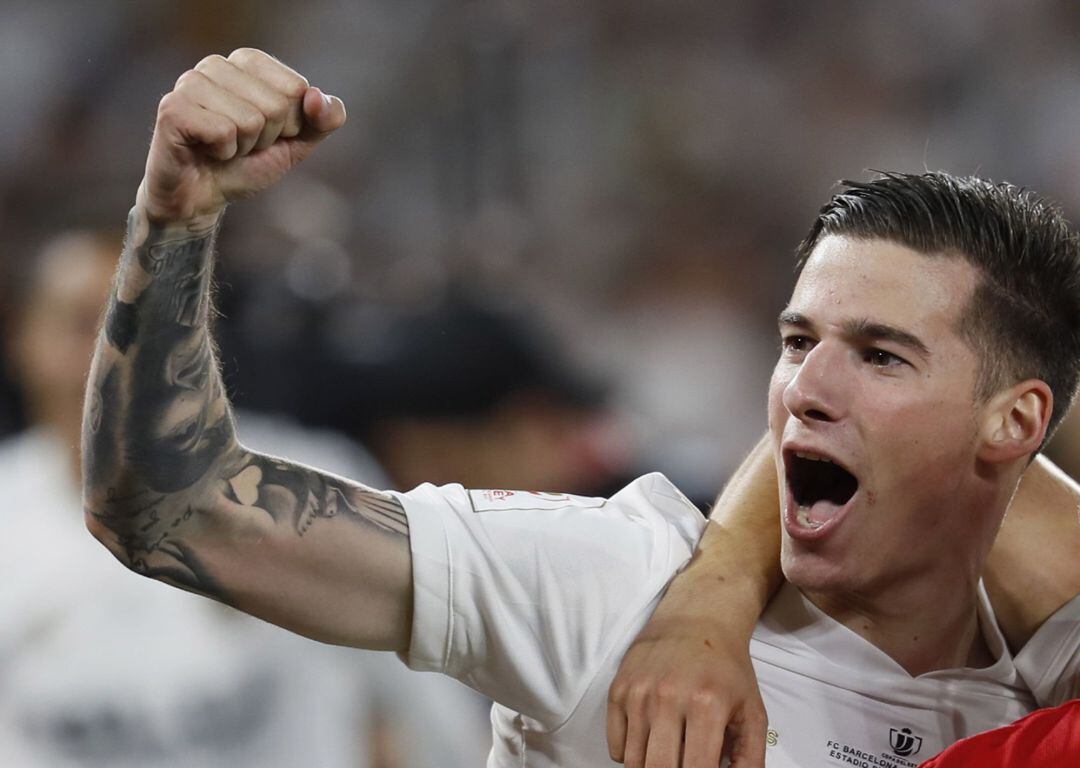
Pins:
<point x="1047" y="738"/>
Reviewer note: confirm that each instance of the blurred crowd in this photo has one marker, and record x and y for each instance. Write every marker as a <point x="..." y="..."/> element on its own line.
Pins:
<point x="546" y="252"/>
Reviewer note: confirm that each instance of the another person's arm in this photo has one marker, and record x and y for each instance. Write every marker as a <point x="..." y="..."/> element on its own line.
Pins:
<point x="167" y="486"/>
<point x="1034" y="567"/>
<point x="688" y="674"/>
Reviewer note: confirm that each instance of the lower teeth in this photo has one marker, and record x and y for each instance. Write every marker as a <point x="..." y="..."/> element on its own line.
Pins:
<point x="803" y="516"/>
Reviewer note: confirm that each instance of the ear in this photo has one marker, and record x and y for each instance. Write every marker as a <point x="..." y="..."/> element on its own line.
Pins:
<point x="1013" y="422"/>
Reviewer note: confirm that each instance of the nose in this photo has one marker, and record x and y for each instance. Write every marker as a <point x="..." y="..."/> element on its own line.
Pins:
<point x="815" y="392"/>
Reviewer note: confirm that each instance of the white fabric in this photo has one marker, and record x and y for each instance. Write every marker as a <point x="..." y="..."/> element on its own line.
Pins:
<point x="1049" y="662"/>
<point x="532" y="599"/>
<point x="99" y="667"/>
<point x="830" y="693"/>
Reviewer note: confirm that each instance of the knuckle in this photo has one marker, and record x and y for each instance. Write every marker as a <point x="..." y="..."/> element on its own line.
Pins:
<point x="298" y="84"/>
<point x="188" y="80"/>
<point x="252" y="122"/>
<point x="618" y="691"/>
<point x="278" y="107"/>
<point x="667" y="692"/>
<point x="242" y="56"/>
<point x="168" y="105"/>
<point x="213" y="61"/>
<point x="704" y="698"/>
<point x="223" y="132"/>
<point x="638" y="692"/>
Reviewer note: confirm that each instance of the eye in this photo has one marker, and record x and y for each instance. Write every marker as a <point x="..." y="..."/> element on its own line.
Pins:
<point x="879" y="358"/>
<point x="796" y="346"/>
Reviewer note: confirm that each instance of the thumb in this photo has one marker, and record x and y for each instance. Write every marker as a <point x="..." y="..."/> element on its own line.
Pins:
<point x="323" y="114"/>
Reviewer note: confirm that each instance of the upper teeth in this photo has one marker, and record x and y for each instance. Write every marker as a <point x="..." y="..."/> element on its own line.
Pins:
<point x="811" y="457"/>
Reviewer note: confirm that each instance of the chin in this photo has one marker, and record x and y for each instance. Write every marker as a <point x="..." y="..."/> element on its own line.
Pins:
<point x="814" y="571"/>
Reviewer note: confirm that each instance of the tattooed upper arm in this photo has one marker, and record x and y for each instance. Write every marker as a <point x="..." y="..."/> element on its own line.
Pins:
<point x="174" y="495"/>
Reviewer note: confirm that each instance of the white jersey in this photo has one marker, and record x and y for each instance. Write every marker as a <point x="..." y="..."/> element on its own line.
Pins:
<point x="532" y="599"/>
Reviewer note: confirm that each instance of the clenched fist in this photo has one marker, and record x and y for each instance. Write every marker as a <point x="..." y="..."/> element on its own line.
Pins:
<point x="230" y="128"/>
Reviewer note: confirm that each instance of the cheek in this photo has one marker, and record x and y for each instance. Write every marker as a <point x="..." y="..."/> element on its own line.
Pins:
<point x="927" y="444"/>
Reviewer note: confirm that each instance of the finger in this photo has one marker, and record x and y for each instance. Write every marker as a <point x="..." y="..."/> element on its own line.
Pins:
<point x="616" y="731"/>
<point x="249" y="119"/>
<point x="183" y="126"/>
<point x="665" y="741"/>
<point x="323" y="113"/>
<point x="704" y="735"/>
<point x="747" y="735"/>
<point x="272" y="72"/>
<point x="637" y="732"/>
<point x="281" y="111"/>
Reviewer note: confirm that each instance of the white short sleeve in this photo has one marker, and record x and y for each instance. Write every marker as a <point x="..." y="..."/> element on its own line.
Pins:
<point x="522" y="596"/>
<point x="1050" y="661"/>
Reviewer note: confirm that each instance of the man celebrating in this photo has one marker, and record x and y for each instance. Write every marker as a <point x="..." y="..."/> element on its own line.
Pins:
<point x="931" y="342"/>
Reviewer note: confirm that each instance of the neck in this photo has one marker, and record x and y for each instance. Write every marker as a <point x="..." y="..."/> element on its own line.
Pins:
<point x="922" y="630"/>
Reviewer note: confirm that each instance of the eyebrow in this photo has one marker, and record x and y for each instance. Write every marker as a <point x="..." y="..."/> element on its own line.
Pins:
<point x="864" y="329"/>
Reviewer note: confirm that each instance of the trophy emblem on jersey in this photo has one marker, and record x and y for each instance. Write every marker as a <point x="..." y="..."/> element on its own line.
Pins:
<point x="903" y="742"/>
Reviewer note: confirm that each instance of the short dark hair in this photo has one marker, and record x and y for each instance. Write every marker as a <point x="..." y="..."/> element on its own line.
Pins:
<point x="1023" y="319"/>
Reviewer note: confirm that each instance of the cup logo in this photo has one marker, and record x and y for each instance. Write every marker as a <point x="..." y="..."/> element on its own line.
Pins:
<point x="903" y="742"/>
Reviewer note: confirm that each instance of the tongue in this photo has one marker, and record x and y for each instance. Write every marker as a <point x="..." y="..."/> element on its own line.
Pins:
<point x="822" y="511"/>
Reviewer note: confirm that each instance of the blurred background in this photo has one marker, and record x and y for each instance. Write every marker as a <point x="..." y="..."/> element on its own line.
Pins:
<point x="548" y="249"/>
<point x="632" y="176"/>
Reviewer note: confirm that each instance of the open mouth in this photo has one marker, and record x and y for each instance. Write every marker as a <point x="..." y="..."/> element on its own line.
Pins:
<point x="819" y="486"/>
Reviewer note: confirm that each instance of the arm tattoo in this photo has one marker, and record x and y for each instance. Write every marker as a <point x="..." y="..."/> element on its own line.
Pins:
<point x="181" y="269"/>
<point x="120" y="324"/>
<point x="158" y="435"/>
<point x="309" y="495"/>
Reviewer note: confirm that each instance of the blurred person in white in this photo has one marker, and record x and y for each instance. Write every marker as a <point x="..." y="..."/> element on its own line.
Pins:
<point x="100" y="670"/>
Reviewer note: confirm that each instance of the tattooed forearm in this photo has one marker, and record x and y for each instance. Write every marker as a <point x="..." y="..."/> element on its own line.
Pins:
<point x="157" y="420"/>
<point x="182" y="269"/>
<point x="120" y="324"/>
<point x="162" y="464"/>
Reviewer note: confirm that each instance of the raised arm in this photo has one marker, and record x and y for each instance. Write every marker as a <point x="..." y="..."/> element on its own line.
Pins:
<point x="167" y="487"/>
<point x="688" y="675"/>
<point x="1034" y="567"/>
